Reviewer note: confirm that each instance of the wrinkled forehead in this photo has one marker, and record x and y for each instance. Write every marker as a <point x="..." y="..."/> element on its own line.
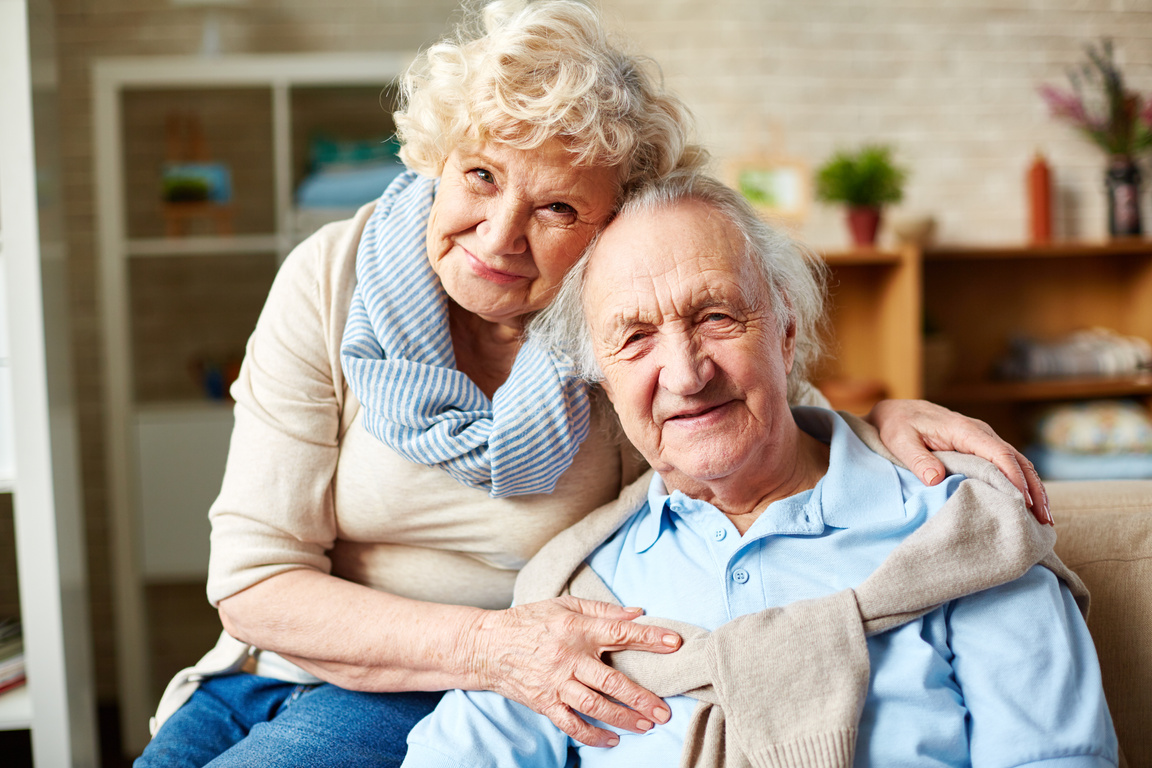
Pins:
<point x="670" y="262"/>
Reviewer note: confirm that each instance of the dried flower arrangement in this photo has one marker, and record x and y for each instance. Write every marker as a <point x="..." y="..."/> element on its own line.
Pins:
<point x="1101" y="107"/>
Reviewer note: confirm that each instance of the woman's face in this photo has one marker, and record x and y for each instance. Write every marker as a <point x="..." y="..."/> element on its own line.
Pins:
<point x="507" y="224"/>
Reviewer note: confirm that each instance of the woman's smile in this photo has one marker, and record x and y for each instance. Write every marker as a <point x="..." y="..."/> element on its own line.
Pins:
<point x="485" y="272"/>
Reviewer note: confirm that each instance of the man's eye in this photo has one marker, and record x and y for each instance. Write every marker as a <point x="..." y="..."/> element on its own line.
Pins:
<point x="484" y="175"/>
<point x="635" y="337"/>
<point x="716" y="317"/>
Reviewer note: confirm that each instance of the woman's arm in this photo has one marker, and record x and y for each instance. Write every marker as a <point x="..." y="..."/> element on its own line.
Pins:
<point x="545" y="655"/>
<point x="276" y="520"/>
<point x="911" y="429"/>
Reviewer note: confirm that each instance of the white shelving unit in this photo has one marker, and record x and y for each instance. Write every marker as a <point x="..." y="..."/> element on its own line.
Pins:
<point x="58" y="702"/>
<point x="127" y="422"/>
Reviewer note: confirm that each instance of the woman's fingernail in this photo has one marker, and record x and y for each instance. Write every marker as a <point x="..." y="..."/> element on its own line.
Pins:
<point x="661" y="714"/>
<point x="633" y="609"/>
<point x="671" y="640"/>
<point x="930" y="477"/>
<point x="613" y="741"/>
<point x="644" y="725"/>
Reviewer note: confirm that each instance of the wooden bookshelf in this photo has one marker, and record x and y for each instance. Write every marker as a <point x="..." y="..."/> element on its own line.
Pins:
<point x="874" y="324"/>
<point x="979" y="298"/>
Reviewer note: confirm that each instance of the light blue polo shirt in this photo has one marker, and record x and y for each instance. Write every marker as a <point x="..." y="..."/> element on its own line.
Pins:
<point x="1005" y="677"/>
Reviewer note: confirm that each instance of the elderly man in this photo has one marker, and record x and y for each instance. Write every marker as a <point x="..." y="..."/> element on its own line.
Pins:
<point x="842" y="612"/>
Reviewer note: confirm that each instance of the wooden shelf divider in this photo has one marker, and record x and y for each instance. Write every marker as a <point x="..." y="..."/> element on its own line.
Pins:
<point x="1073" y="388"/>
<point x="979" y="298"/>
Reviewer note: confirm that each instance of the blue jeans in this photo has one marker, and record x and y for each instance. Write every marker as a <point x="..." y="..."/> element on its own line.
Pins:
<point x="246" y="721"/>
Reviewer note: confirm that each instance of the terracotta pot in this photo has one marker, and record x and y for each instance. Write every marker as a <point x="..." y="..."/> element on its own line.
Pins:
<point x="863" y="223"/>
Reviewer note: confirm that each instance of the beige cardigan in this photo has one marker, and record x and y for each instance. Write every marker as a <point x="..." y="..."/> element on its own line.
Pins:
<point x="809" y="659"/>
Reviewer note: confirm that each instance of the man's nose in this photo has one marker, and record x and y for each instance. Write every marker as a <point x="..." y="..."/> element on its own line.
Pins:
<point x="686" y="368"/>
<point x="503" y="231"/>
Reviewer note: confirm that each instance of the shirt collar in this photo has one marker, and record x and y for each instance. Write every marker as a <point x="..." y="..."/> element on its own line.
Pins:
<point x="860" y="487"/>
<point x="652" y="522"/>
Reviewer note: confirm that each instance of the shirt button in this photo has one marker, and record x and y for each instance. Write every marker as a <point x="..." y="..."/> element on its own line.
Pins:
<point x="740" y="576"/>
<point x="807" y="518"/>
<point x="719" y="534"/>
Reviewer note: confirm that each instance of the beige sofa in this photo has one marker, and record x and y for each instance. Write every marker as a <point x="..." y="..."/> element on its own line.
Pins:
<point x="1105" y="535"/>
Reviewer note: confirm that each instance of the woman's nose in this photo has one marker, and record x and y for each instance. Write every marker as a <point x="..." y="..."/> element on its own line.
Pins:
<point x="503" y="230"/>
<point x="685" y="368"/>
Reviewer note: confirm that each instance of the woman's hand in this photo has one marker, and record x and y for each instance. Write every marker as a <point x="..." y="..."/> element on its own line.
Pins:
<point x="910" y="429"/>
<point x="547" y="656"/>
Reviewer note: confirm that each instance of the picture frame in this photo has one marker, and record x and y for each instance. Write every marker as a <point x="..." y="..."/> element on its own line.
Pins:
<point x="779" y="188"/>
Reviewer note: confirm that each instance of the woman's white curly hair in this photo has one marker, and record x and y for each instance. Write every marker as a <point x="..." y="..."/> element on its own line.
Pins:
<point x="523" y="74"/>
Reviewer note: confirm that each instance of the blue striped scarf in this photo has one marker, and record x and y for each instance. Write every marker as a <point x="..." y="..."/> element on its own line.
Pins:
<point x="398" y="359"/>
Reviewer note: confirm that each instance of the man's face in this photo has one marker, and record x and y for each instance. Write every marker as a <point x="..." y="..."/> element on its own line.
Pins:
<point x="687" y="343"/>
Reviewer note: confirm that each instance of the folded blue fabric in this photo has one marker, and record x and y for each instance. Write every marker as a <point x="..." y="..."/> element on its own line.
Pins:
<point x="1053" y="464"/>
<point x="347" y="188"/>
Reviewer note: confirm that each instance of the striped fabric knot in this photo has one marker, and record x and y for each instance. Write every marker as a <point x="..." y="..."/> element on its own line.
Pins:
<point x="397" y="356"/>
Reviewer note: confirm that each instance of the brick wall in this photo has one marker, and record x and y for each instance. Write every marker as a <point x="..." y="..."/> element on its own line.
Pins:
<point x="951" y="85"/>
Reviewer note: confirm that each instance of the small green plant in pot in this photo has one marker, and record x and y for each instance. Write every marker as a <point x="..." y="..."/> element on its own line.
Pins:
<point x="865" y="180"/>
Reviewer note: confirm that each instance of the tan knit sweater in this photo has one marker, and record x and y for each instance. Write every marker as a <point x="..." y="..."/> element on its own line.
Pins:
<point x="786" y="686"/>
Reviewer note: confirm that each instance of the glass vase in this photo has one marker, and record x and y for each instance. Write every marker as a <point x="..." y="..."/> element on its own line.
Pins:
<point x="1122" y="180"/>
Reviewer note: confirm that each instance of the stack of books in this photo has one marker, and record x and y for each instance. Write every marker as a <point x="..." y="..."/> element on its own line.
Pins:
<point x="11" y="655"/>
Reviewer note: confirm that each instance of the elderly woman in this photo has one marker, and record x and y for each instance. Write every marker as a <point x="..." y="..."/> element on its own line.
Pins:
<point x="399" y="453"/>
<point x="783" y="541"/>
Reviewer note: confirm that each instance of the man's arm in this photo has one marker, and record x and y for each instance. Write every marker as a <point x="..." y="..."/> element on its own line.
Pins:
<point x="1030" y="678"/>
<point x="477" y="729"/>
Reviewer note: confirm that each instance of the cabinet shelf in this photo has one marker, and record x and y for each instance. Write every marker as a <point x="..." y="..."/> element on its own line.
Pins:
<point x="163" y="314"/>
<point x="203" y="245"/>
<point x="15" y="709"/>
<point x="1119" y="247"/>
<point x="862" y="257"/>
<point x="1079" y="388"/>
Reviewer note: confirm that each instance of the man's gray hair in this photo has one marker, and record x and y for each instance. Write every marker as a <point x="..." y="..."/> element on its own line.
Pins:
<point x="793" y="277"/>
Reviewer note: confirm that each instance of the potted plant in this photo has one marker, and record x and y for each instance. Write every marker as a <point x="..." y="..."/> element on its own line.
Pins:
<point x="865" y="180"/>
<point x="1114" y="118"/>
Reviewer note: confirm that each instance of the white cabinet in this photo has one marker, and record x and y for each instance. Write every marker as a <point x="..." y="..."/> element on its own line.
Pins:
<point x="58" y="703"/>
<point x="165" y="452"/>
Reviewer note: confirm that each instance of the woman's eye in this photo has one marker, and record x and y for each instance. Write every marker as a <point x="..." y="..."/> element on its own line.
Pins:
<point x="635" y="337"/>
<point x="484" y="175"/>
<point x="561" y="208"/>
<point x="716" y="317"/>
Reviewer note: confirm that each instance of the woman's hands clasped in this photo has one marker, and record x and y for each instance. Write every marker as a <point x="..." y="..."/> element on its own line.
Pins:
<point x="547" y="656"/>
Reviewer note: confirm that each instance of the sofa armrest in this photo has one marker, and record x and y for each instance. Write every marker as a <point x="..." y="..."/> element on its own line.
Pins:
<point x="1104" y="534"/>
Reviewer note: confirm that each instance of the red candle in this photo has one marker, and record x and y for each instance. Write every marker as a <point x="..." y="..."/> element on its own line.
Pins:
<point x="1040" y="200"/>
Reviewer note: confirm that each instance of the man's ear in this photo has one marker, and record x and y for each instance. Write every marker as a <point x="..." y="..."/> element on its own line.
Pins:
<point x="788" y="343"/>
